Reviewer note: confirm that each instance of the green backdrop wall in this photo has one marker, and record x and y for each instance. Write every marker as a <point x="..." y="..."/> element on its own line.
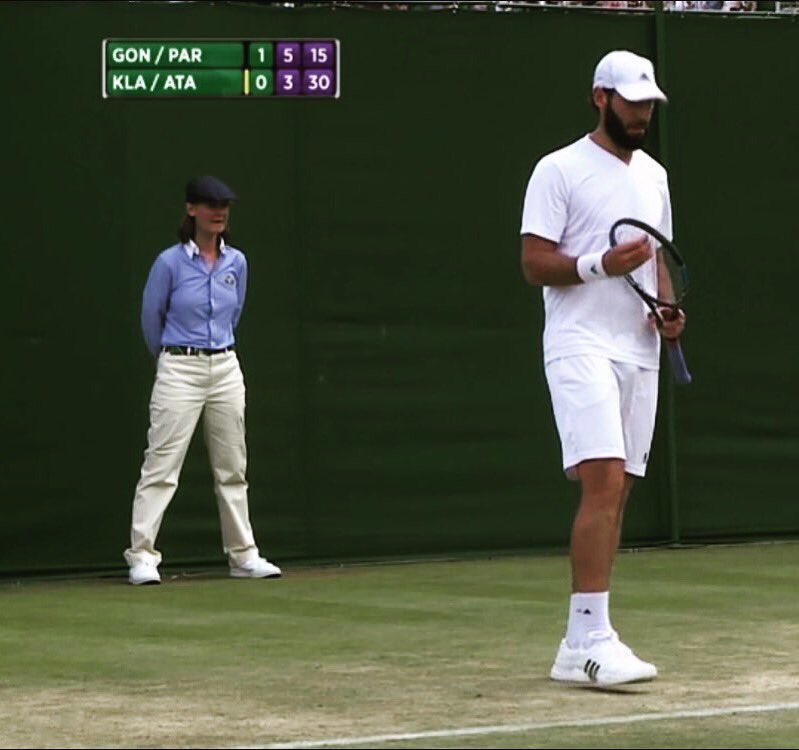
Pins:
<point x="396" y="401"/>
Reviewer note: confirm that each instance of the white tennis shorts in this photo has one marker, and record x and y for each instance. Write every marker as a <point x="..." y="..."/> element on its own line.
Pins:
<point x="603" y="409"/>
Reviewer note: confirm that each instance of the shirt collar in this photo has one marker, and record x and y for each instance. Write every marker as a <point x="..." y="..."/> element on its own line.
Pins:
<point x="191" y="248"/>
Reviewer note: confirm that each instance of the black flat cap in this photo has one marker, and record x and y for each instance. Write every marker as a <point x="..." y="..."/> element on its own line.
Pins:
<point x="207" y="188"/>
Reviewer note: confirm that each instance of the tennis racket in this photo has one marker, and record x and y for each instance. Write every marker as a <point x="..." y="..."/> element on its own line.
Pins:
<point x="672" y="285"/>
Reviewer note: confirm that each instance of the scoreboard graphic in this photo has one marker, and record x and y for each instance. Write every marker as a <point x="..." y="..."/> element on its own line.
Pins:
<point x="214" y="68"/>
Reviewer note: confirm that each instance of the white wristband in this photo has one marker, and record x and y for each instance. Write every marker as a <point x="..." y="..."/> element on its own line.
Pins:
<point x="590" y="268"/>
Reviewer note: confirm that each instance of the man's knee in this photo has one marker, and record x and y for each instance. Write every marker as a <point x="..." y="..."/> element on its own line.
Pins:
<point x="602" y="476"/>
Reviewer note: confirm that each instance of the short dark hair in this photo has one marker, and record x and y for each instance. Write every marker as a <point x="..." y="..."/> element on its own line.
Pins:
<point x="609" y="92"/>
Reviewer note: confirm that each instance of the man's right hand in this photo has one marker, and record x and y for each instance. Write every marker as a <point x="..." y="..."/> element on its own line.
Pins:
<point x="627" y="256"/>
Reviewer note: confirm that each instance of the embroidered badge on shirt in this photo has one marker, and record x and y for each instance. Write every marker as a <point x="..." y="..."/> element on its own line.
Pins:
<point x="229" y="279"/>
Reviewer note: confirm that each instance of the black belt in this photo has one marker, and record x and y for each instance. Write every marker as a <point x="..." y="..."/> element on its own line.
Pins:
<point x="195" y="350"/>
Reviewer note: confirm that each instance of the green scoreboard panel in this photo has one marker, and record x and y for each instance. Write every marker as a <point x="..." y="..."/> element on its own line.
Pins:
<point x="212" y="68"/>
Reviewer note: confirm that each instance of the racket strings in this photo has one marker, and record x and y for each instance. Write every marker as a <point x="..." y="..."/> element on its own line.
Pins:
<point x="677" y="278"/>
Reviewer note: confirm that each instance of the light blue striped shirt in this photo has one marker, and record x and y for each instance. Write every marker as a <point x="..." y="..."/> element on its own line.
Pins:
<point x="185" y="303"/>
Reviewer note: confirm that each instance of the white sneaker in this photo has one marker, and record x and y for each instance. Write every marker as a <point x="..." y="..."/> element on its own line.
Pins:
<point x="606" y="661"/>
<point x="144" y="573"/>
<point x="260" y="567"/>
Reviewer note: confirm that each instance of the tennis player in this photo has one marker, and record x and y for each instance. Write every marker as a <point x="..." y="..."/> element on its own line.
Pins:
<point x="601" y="350"/>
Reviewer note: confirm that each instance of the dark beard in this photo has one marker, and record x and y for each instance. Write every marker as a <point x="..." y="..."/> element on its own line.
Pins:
<point x="617" y="133"/>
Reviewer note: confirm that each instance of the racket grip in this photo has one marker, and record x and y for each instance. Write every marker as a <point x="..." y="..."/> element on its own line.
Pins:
<point x="677" y="361"/>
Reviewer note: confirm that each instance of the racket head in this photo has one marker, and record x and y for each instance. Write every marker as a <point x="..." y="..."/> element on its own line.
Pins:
<point x="661" y="285"/>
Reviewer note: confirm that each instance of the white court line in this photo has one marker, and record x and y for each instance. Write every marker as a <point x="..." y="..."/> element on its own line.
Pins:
<point x="700" y="713"/>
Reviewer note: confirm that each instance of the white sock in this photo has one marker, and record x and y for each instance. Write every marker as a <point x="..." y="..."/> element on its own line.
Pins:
<point x="587" y="612"/>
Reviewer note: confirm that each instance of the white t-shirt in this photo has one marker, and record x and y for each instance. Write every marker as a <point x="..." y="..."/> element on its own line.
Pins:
<point x="574" y="196"/>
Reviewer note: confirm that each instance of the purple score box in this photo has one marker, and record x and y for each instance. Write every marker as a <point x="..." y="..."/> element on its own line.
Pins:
<point x="318" y="55"/>
<point x="319" y="82"/>
<point x="287" y="55"/>
<point x="288" y="82"/>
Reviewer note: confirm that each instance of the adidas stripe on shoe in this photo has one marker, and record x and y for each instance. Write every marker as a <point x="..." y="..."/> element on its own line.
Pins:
<point x="604" y="660"/>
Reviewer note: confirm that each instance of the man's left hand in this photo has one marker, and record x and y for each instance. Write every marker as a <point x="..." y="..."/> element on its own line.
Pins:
<point x="673" y="322"/>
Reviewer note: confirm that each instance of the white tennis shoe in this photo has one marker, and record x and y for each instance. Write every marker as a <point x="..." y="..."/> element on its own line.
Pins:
<point x="260" y="567"/>
<point x="144" y="574"/>
<point x="604" y="661"/>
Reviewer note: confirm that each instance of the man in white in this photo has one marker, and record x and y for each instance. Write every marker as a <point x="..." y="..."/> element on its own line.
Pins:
<point x="601" y="350"/>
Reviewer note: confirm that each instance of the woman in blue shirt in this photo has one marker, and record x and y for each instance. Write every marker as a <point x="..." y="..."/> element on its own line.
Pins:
<point x="190" y="308"/>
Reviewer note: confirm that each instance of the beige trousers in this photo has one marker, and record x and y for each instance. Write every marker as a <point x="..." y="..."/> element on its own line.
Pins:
<point x="186" y="387"/>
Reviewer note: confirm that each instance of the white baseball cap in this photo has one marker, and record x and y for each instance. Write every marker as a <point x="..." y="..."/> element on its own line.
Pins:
<point x="631" y="75"/>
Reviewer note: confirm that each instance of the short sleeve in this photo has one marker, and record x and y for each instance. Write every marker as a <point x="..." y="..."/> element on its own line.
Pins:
<point x="665" y="227"/>
<point x="546" y="202"/>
